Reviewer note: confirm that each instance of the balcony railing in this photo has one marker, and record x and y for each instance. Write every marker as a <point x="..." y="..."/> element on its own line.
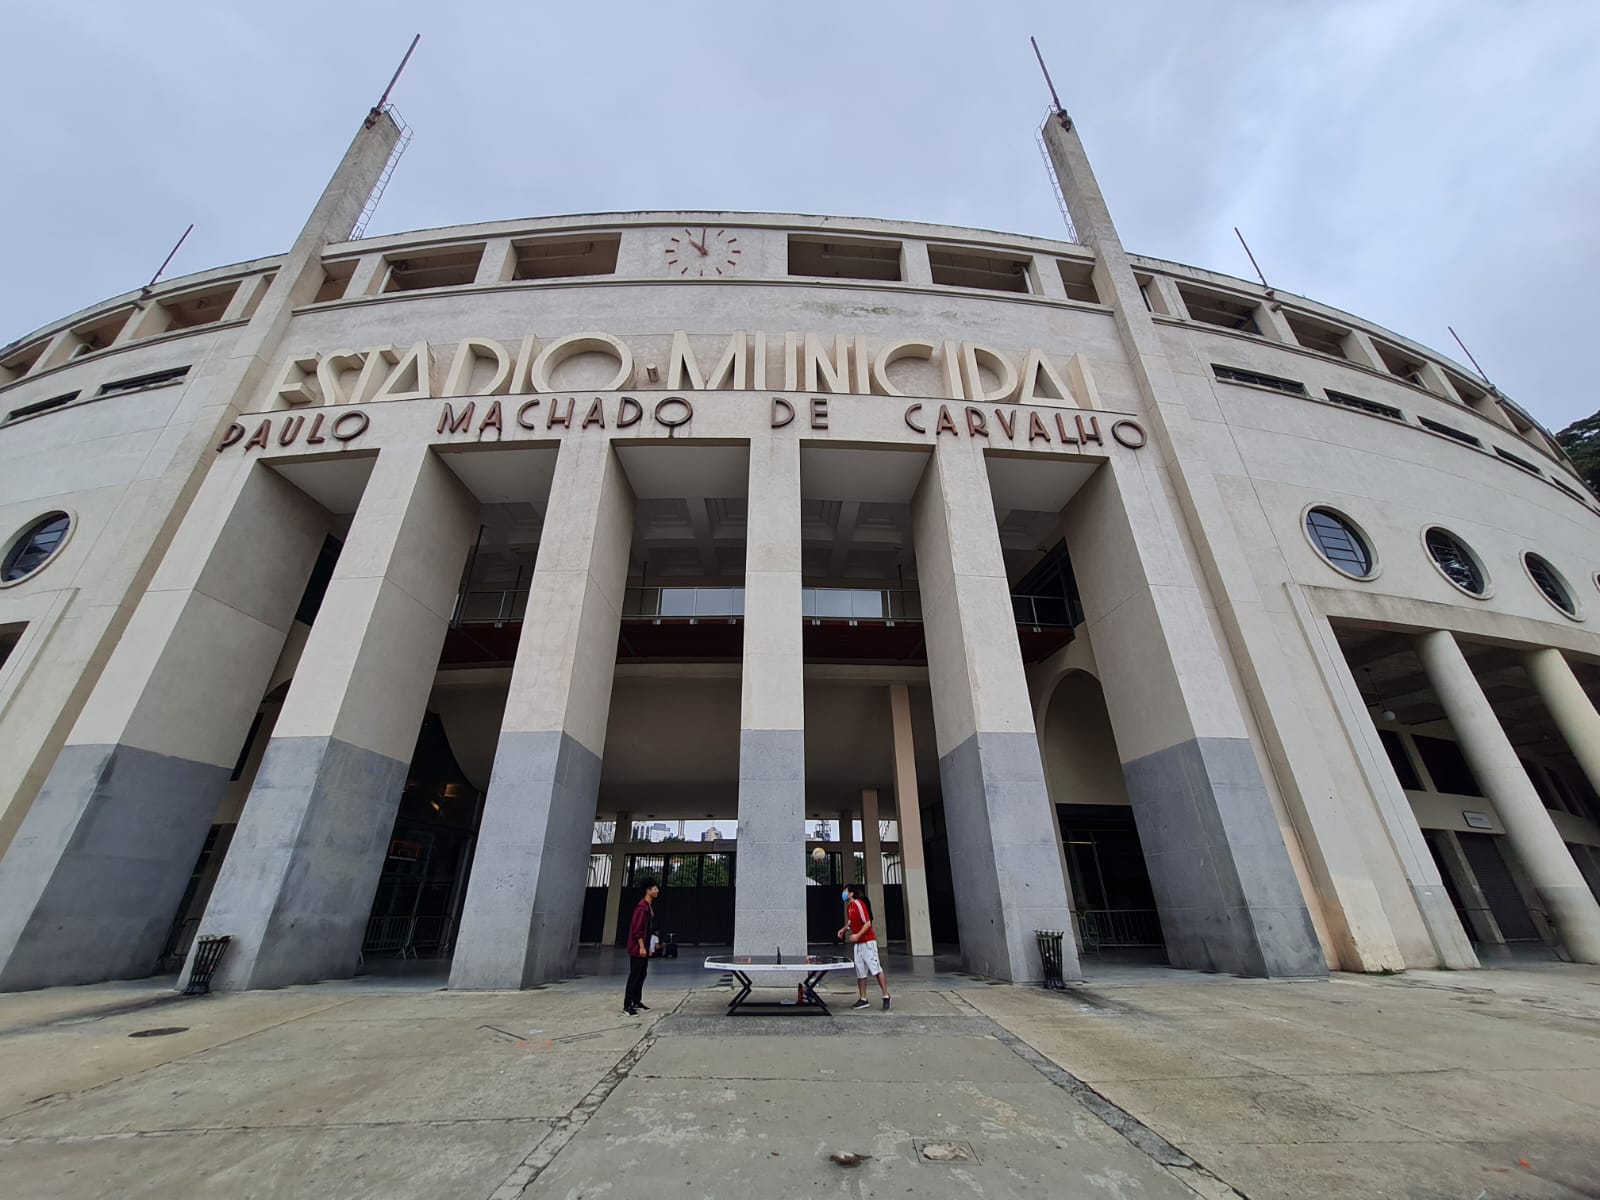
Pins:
<point x="888" y="605"/>
<point x="860" y="604"/>
<point x="682" y="603"/>
<point x="490" y="607"/>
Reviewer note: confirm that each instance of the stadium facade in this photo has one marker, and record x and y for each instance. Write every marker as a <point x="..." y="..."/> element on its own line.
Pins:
<point x="419" y="594"/>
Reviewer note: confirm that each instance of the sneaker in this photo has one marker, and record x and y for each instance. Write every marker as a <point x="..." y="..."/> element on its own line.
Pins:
<point x="861" y="1004"/>
<point x="629" y="1011"/>
<point x="886" y="1004"/>
<point x="642" y="1006"/>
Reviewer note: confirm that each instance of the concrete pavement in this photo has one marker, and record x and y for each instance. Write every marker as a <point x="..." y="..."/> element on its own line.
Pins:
<point x="1145" y="1083"/>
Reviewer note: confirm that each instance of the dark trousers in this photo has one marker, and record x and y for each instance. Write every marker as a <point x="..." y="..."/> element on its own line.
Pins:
<point x="637" y="968"/>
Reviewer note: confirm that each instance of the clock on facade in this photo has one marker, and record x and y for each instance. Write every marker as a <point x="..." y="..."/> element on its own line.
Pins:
<point x="705" y="253"/>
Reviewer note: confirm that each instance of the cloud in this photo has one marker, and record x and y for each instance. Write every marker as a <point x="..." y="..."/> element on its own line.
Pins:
<point x="1417" y="164"/>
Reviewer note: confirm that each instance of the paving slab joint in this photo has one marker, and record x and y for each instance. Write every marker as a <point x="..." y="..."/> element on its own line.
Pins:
<point x="1193" y="1175"/>
<point x="526" y="1173"/>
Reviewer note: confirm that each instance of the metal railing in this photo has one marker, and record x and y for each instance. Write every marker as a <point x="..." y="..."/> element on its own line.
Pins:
<point x="682" y="603"/>
<point x="407" y="936"/>
<point x="1044" y="612"/>
<point x="475" y="607"/>
<point x="494" y="607"/>
<point x="1098" y="927"/>
<point x="861" y="604"/>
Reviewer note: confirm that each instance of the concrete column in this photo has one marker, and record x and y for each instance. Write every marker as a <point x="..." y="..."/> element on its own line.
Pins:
<point x="770" y="893"/>
<point x="1003" y="857"/>
<point x="98" y="867"/>
<point x="1569" y="704"/>
<point x="1544" y="856"/>
<point x="908" y="811"/>
<point x="1475" y="904"/>
<point x="872" y="855"/>
<point x="498" y="263"/>
<point x="619" y="864"/>
<point x="1274" y="325"/>
<point x="1226" y="890"/>
<point x="297" y="886"/>
<point x="524" y="905"/>
<point x="847" y="845"/>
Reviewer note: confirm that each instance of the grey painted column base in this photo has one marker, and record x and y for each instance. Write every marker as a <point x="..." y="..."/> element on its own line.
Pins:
<point x="1571" y="911"/>
<point x="770" y="873"/>
<point x="1004" y="860"/>
<point x="296" y="888"/>
<point x="1226" y="891"/>
<point x="1444" y="927"/>
<point x="94" y="877"/>
<point x="524" y="908"/>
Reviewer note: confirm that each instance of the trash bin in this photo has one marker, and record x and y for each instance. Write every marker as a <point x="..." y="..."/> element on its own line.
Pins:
<point x="208" y="953"/>
<point x="1050" y="955"/>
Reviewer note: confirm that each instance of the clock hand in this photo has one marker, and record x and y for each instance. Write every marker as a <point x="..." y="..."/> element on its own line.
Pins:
<point x="702" y="241"/>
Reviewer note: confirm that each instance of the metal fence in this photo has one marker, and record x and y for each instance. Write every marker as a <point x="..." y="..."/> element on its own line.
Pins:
<point x="408" y="937"/>
<point x="1098" y="927"/>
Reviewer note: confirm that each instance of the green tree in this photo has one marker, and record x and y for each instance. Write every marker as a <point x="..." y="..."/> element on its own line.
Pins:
<point x="1581" y="440"/>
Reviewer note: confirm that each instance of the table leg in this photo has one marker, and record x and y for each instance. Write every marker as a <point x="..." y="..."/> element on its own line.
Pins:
<point x="743" y="992"/>
<point x="810" y="989"/>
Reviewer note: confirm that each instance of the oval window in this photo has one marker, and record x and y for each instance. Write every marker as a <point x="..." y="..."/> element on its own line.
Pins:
<point x="34" y="546"/>
<point x="1339" y="541"/>
<point x="1458" y="563"/>
<point x="1548" y="580"/>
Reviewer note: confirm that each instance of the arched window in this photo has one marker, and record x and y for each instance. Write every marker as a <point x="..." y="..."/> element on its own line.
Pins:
<point x="1549" y="581"/>
<point x="33" y="548"/>
<point x="1459" y="564"/>
<point x="1339" y="541"/>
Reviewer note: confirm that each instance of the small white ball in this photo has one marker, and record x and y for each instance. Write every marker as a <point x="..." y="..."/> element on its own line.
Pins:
<point x="819" y="854"/>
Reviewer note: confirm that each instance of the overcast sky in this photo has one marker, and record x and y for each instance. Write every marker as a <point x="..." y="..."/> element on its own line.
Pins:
<point x="1417" y="162"/>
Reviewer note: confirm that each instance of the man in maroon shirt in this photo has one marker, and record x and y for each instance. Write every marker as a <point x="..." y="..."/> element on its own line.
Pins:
<point x="639" y="950"/>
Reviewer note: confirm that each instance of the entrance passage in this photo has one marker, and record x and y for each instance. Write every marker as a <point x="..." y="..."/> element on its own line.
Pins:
<point x="695" y="907"/>
<point x="1111" y="890"/>
<point x="418" y="900"/>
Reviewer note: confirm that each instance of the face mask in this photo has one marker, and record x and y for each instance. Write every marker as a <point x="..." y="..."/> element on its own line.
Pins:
<point x="845" y="896"/>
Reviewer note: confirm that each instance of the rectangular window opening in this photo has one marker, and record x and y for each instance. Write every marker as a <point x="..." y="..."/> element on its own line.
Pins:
<point x="138" y="383"/>
<point x="1078" y="279"/>
<point x="566" y="258"/>
<point x="1214" y="308"/>
<point x="987" y="269"/>
<point x="1399" y="364"/>
<point x="1317" y="335"/>
<point x="336" y="278"/>
<point x="844" y="258"/>
<point x="1150" y="292"/>
<point x="191" y="310"/>
<point x="19" y="362"/>
<point x="1395" y="748"/>
<point x="39" y="406"/>
<point x="1450" y="431"/>
<point x="1447" y="766"/>
<point x="1256" y="379"/>
<point x="408" y="272"/>
<point x="1364" y="405"/>
<point x="1573" y="492"/>
<point x="98" y="333"/>
<point x="10" y="636"/>
<point x="1521" y="463"/>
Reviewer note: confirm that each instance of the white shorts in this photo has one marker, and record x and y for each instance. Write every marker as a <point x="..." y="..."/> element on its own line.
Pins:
<point x="867" y="960"/>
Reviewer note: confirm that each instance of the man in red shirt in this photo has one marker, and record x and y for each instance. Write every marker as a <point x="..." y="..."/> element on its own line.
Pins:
<point x="858" y="930"/>
<point x="639" y="949"/>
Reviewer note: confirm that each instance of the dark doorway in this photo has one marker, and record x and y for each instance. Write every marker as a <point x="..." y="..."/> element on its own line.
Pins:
<point x="1111" y="890"/>
<point x="430" y="855"/>
<point x="1499" y="888"/>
